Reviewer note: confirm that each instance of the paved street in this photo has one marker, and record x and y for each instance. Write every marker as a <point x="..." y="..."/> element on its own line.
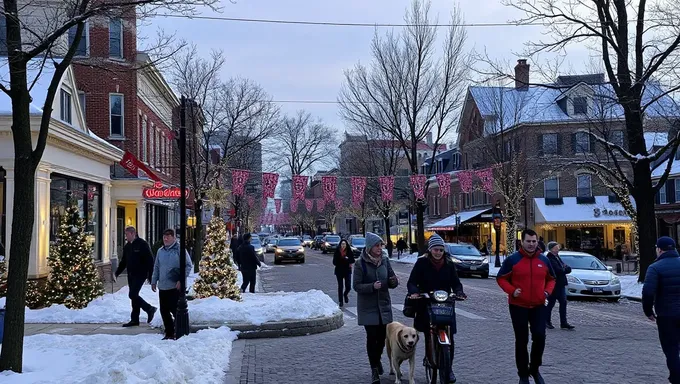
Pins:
<point x="613" y="342"/>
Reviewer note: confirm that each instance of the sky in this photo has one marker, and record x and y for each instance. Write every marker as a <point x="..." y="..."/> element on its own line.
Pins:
<point x="302" y="62"/>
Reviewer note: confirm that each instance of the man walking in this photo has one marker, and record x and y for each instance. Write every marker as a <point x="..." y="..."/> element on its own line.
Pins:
<point x="248" y="262"/>
<point x="166" y="275"/>
<point x="528" y="280"/>
<point x="661" y="302"/>
<point x="138" y="260"/>
<point x="561" y="271"/>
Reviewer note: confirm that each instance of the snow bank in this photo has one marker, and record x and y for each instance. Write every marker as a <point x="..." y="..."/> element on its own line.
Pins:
<point x="630" y="286"/>
<point x="493" y="271"/>
<point x="406" y="259"/>
<point x="201" y="357"/>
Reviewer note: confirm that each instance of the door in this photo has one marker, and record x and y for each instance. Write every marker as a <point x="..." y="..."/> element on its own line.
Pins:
<point x="619" y="236"/>
<point x="120" y="230"/>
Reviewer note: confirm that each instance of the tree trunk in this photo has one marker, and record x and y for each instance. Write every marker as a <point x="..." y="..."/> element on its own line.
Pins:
<point x="420" y="223"/>
<point x="198" y="234"/>
<point x="386" y="219"/>
<point x="644" y="200"/>
<point x="510" y="234"/>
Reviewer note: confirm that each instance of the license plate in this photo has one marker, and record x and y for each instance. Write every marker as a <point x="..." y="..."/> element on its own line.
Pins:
<point x="473" y="268"/>
<point x="597" y="290"/>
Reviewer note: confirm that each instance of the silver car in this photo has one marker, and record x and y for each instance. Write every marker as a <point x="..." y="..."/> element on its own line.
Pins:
<point x="590" y="277"/>
<point x="270" y="247"/>
<point x="259" y="249"/>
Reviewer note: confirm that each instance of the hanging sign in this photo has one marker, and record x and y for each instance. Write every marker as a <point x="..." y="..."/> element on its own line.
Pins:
<point x="160" y="192"/>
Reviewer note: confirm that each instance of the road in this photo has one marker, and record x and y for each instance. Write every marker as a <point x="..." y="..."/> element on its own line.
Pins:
<point x="612" y="343"/>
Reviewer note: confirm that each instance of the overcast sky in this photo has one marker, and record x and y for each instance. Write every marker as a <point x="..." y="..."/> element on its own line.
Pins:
<point x="301" y="62"/>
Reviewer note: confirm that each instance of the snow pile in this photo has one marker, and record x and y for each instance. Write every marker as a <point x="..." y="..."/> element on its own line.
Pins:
<point x="630" y="286"/>
<point x="201" y="357"/>
<point x="407" y="259"/>
<point x="493" y="271"/>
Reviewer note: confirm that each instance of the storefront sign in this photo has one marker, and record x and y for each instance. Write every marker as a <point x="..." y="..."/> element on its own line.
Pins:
<point x="597" y="212"/>
<point x="159" y="192"/>
<point x="133" y="165"/>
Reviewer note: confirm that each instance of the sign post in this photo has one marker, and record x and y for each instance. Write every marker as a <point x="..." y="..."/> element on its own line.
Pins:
<point x="497" y="216"/>
<point x="455" y="212"/>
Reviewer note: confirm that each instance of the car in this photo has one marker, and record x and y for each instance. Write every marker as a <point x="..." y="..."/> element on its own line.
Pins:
<point x="289" y="248"/>
<point x="468" y="260"/>
<point x="317" y="242"/>
<point x="306" y="241"/>
<point x="330" y="243"/>
<point x="270" y="247"/>
<point x="357" y="243"/>
<point x="590" y="277"/>
<point x="259" y="249"/>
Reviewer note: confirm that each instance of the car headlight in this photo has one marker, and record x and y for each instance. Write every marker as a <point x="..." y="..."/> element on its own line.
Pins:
<point x="259" y="250"/>
<point x="326" y="245"/>
<point x="301" y="249"/>
<point x="456" y="260"/>
<point x="279" y="250"/>
<point x="441" y="296"/>
<point x="572" y="279"/>
<point x="615" y="281"/>
<point x="485" y="261"/>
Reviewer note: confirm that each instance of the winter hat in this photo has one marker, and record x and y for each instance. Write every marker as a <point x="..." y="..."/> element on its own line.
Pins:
<point x="371" y="240"/>
<point x="551" y="245"/>
<point x="435" y="241"/>
<point x="665" y="243"/>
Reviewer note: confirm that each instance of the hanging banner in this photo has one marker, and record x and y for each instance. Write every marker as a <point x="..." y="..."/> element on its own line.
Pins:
<point x="251" y="201"/>
<point x="320" y="205"/>
<point x="269" y="181"/>
<point x="299" y="186"/>
<point x="277" y="205"/>
<point x="386" y="187"/>
<point x="239" y="178"/>
<point x="418" y="186"/>
<point x="358" y="189"/>
<point x="264" y="203"/>
<point x="486" y="178"/>
<point x="338" y="204"/>
<point x="330" y="187"/>
<point x="309" y="205"/>
<point x="293" y="205"/>
<point x="465" y="181"/>
<point x="444" y="181"/>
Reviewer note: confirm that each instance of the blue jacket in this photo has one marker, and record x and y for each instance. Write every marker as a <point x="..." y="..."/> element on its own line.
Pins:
<point x="166" y="268"/>
<point x="662" y="286"/>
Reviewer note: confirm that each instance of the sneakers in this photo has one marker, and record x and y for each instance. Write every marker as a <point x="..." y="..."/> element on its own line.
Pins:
<point x="452" y="377"/>
<point x="346" y="299"/>
<point x="168" y="337"/>
<point x="150" y="314"/>
<point x="550" y="326"/>
<point x="375" y="376"/>
<point x="524" y="380"/>
<point x="538" y="379"/>
<point x="567" y="326"/>
<point x="131" y="324"/>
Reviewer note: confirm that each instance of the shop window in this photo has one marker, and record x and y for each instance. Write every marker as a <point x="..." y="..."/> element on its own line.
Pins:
<point x="116" y="38"/>
<point x="65" y="106"/>
<point x="83" y="44"/>
<point x="585" y="239"/>
<point x="116" y="115"/>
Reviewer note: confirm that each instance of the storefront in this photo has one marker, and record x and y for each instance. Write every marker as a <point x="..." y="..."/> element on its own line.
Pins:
<point x="597" y="228"/>
<point x="3" y="209"/>
<point x="476" y="227"/>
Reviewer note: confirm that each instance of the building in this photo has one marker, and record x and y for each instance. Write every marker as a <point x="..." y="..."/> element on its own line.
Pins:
<point x="667" y="201"/>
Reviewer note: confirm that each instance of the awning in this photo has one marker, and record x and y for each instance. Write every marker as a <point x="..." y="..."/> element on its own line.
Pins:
<point x="449" y="223"/>
<point x="570" y="212"/>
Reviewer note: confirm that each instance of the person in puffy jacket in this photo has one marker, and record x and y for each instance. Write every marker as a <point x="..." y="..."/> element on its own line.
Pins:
<point x="343" y="259"/>
<point x="528" y="279"/>
<point x="661" y="302"/>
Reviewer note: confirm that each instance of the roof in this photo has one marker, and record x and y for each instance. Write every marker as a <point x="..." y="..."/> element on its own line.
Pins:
<point x="571" y="212"/>
<point x="444" y="155"/>
<point x="655" y="139"/>
<point x="449" y="223"/>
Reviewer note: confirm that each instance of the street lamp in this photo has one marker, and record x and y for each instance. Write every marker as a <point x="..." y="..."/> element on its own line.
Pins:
<point x="182" y="318"/>
<point x="457" y="221"/>
<point x="497" y="216"/>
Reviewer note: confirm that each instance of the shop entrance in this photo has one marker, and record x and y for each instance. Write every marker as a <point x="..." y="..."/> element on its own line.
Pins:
<point x="585" y="239"/>
<point x="120" y="229"/>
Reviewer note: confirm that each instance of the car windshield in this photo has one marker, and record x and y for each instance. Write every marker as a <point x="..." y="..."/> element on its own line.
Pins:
<point x="587" y="262"/>
<point x="463" y="250"/>
<point x="255" y="242"/>
<point x="306" y="237"/>
<point x="334" y="239"/>
<point x="289" y="242"/>
<point x="358" y="241"/>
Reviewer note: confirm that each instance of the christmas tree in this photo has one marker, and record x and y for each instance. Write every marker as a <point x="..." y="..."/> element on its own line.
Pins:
<point x="3" y="276"/>
<point x="217" y="276"/>
<point x="73" y="279"/>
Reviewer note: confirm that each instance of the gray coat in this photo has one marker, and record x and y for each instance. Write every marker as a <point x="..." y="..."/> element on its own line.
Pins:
<point x="373" y="306"/>
<point x="166" y="267"/>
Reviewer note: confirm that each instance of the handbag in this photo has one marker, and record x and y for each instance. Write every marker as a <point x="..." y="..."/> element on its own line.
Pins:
<point x="410" y="307"/>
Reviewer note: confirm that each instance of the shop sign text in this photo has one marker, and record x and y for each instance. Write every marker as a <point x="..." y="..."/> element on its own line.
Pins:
<point x="163" y="193"/>
<point x="597" y="212"/>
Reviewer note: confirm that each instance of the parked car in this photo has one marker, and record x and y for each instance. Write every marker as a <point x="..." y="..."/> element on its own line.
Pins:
<point x="306" y="241"/>
<point x="259" y="249"/>
<point x="590" y="277"/>
<point x="289" y="248"/>
<point x="357" y="243"/>
<point x="330" y="243"/>
<point x="468" y="260"/>
<point x="270" y="247"/>
<point x="317" y="242"/>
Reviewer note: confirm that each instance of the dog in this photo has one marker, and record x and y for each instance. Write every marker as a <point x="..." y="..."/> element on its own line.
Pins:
<point x="401" y="344"/>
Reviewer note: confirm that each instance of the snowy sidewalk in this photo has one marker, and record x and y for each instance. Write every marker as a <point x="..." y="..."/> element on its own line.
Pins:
<point x="88" y="329"/>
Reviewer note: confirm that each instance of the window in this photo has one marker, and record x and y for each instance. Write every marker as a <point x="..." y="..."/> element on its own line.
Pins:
<point x="551" y="188"/>
<point x="116" y="38"/>
<point x="152" y="145"/>
<point x="580" y="105"/>
<point x="582" y="140"/>
<point x="583" y="186"/>
<point x="116" y="114"/>
<point x="65" y="106"/>
<point x="82" y="100"/>
<point x="617" y="138"/>
<point x="157" y="152"/>
<point x="677" y="190"/>
<point x="550" y="143"/>
<point x="507" y="150"/>
<point x="144" y="136"/>
<point x="3" y="35"/>
<point x="662" y="195"/>
<point x="81" y="50"/>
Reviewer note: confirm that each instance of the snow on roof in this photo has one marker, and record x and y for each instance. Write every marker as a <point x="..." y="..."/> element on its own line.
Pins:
<point x="571" y="212"/>
<point x="655" y="139"/>
<point x="39" y="72"/>
<point x="450" y="221"/>
<point x="675" y="169"/>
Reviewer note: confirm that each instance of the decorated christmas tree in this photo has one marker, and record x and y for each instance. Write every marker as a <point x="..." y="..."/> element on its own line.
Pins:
<point x="3" y="276"/>
<point x="73" y="279"/>
<point x="217" y="276"/>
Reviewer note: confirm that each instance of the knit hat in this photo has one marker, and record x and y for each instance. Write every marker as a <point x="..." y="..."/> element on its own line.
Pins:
<point x="665" y="243"/>
<point x="371" y="240"/>
<point x="551" y="245"/>
<point x="435" y="241"/>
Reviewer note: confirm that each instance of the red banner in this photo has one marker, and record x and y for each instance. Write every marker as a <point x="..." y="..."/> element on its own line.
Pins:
<point x="293" y="205"/>
<point x="465" y="181"/>
<point x="418" y="186"/>
<point x="338" y="204"/>
<point x="251" y="201"/>
<point x="269" y="181"/>
<point x="358" y="189"/>
<point x="486" y="178"/>
<point x="277" y="205"/>
<point x="264" y="203"/>
<point x="330" y="187"/>
<point x="320" y="205"/>
<point x="309" y="205"/>
<point x="444" y="181"/>
<point x="386" y="187"/>
<point x="299" y="187"/>
<point x="239" y="178"/>
<point x="133" y="165"/>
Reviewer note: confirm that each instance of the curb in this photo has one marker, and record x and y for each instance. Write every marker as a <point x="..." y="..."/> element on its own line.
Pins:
<point x="281" y="328"/>
<point x="632" y="298"/>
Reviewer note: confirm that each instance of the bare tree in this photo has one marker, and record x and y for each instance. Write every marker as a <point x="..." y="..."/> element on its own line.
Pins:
<point x="410" y="89"/>
<point x="635" y="60"/>
<point x="37" y="35"/>
<point x="306" y="142"/>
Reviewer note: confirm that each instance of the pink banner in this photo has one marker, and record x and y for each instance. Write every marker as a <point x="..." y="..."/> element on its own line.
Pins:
<point x="358" y="189"/>
<point x="330" y="187"/>
<point x="338" y="204"/>
<point x="239" y="178"/>
<point x="293" y="205"/>
<point x="277" y="205"/>
<point x="320" y="205"/>
<point x="418" y="186"/>
<point x="444" y="181"/>
<point x="251" y="201"/>
<point x="309" y="205"/>
<point x="465" y="181"/>
<point x="386" y="187"/>
<point x="299" y="187"/>
<point x="264" y="203"/>
<point x="269" y="181"/>
<point x="486" y="178"/>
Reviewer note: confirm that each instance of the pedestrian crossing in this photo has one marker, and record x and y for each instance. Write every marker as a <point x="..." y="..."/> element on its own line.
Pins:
<point x="351" y="312"/>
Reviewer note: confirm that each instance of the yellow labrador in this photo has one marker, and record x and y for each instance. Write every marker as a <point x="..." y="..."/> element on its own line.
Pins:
<point x="401" y="344"/>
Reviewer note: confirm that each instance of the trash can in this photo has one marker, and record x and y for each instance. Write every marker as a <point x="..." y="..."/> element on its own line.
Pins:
<point x="2" y="322"/>
<point x="618" y="268"/>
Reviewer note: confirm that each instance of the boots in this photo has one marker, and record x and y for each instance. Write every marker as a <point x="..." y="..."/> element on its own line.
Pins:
<point x="375" y="376"/>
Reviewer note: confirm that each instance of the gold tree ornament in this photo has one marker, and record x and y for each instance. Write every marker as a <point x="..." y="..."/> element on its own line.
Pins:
<point x="217" y="197"/>
<point x="217" y="275"/>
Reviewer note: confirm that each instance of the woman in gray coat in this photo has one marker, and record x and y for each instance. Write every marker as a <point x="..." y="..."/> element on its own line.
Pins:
<point x="372" y="278"/>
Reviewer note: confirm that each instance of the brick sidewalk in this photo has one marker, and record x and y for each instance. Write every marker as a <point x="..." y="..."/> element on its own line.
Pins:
<point x="88" y="329"/>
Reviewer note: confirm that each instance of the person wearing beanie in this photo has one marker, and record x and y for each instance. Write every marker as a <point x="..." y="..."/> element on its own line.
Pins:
<point x="661" y="302"/>
<point x="561" y="271"/>
<point x="371" y="279"/>
<point x="434" y="272"/>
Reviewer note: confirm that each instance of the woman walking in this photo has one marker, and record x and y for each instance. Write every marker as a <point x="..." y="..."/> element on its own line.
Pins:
<point x="343" y="259"/>
<point x="372" y="278"/>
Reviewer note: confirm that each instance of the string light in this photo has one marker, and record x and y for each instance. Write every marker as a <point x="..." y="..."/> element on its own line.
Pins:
<point x="217" y="276"/>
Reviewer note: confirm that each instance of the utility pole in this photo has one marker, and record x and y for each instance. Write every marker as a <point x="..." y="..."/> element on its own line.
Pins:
<point x="182" y="320"/>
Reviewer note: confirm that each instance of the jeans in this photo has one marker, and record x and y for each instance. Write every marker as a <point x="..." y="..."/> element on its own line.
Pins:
<point x="168" y="300"/>
<point x="559" y="294"/>
<point x="524" y="319"/>
<point x="375" y="343"/>
<point x="136" y="301"/>
<point x="249" y="278"/>
<point x="347" y="278"/>
<point x="669" y="335"/>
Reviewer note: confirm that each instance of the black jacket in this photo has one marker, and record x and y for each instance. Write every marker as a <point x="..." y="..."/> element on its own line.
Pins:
<point x="137" y="259"/>
<point x="343" y="264"/>
<point x="425" y="279"/>
<point x="560" y="269"/>
<point x="401" y="244"/>
<point x="246" y="259"/>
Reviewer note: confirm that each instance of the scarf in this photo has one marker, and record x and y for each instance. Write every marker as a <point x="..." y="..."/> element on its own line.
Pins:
<point x="343" y="252"/>
<point x="374" y="260"/>
<point x="438" y="264"/>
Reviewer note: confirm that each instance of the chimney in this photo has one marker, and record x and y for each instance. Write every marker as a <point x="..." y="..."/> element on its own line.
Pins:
<point x="429" y="138"/>
<point x="522" y="75"/>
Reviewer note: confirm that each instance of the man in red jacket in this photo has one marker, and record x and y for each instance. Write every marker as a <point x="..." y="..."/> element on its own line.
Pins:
<point x="527" y="278"/>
